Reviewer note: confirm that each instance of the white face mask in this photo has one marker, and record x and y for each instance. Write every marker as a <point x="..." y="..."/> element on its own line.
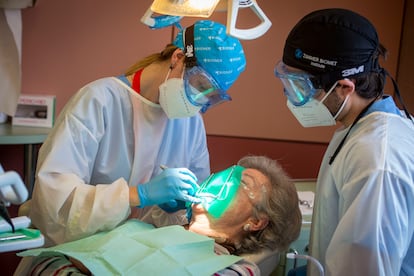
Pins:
<point x="174" y="101"/>
<point x="314" y="113"/>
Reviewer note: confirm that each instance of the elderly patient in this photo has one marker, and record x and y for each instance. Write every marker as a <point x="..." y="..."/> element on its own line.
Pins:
<point x="246" y="208"/>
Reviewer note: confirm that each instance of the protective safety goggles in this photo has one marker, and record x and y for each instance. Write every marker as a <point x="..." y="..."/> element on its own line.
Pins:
<point x="201" y="88"/>
<point x="219" y="190"/>
<point x="299" y="87"/>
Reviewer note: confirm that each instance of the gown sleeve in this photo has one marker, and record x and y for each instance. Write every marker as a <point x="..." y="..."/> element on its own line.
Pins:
<point x="65" y="206"/>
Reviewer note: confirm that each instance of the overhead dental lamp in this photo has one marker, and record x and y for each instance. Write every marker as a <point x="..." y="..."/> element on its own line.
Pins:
<point x="197" y="8"/>
<point x="173" y="10"/>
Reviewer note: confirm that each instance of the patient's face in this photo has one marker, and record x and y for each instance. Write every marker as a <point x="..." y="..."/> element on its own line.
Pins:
<point x="219" y="190"/>
<point x="251" y="190"/>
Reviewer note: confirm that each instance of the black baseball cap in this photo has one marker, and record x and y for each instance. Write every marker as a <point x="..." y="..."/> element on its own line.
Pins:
<point x="333" y="44"/>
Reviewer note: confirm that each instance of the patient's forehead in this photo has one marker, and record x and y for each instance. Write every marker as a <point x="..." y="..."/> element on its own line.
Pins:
<point x="255" y="184"/>
<point x="254" y="175"/>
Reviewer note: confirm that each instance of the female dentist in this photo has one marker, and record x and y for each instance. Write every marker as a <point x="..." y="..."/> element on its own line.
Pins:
<point x="103" y="156"/>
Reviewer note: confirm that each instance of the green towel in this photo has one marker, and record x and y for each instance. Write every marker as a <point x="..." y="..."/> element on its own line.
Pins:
<point x="137" y="248"/>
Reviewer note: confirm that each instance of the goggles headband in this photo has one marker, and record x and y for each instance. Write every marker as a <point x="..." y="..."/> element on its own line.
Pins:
<point x="190" y="58"/>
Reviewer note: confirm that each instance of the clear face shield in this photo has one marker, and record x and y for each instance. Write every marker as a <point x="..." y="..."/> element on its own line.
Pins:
<point x="201" y="89"/>
<point x="218" y="191"/>
<point x="299" y="87"/>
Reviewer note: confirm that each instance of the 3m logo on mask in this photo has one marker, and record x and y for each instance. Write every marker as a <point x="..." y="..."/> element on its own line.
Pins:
<point x="352" y="71"/>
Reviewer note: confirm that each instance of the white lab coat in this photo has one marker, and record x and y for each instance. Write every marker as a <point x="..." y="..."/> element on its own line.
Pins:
<point x="107" y="138"/>
<point x="363" y="221"/>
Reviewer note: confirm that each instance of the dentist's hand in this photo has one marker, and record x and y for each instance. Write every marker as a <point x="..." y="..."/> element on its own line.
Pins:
<point x="171" y="184"/>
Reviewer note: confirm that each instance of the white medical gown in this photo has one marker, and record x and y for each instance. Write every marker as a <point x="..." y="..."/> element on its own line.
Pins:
<point x="107" y="138"/>
<point x="363" y="221"/>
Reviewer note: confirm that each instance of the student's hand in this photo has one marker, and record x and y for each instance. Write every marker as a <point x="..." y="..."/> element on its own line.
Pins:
<point x="171" y="184"/>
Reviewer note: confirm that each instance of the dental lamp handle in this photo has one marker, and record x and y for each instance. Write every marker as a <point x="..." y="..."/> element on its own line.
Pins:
<point x="246" y="34"/>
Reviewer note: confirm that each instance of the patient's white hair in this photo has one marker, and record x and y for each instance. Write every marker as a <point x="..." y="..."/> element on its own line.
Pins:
<point x="280" y="205"/>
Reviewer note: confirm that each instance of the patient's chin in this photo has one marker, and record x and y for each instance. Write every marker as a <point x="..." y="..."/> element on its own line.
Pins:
<point x="198" y="209"/>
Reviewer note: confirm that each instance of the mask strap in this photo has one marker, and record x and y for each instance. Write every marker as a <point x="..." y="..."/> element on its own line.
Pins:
<point x="343" y="104"/>
<point x="360" y="115"/>
<point x="188" y="38"/>
<point x="168" y="74"/>
<point x="341" y="108"/>
<point x="329" y="92"/>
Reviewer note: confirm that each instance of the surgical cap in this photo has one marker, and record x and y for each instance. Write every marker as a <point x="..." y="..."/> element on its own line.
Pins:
<point x="221" y="55"/>
<point x="336" y="43"/>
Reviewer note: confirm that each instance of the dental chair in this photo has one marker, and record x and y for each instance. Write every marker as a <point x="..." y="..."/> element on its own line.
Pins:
<point x="267" y="261"/>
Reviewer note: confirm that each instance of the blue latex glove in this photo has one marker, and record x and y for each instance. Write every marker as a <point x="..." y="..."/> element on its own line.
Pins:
<point x="172" y="206"/>
<point x="171" y="184"/>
